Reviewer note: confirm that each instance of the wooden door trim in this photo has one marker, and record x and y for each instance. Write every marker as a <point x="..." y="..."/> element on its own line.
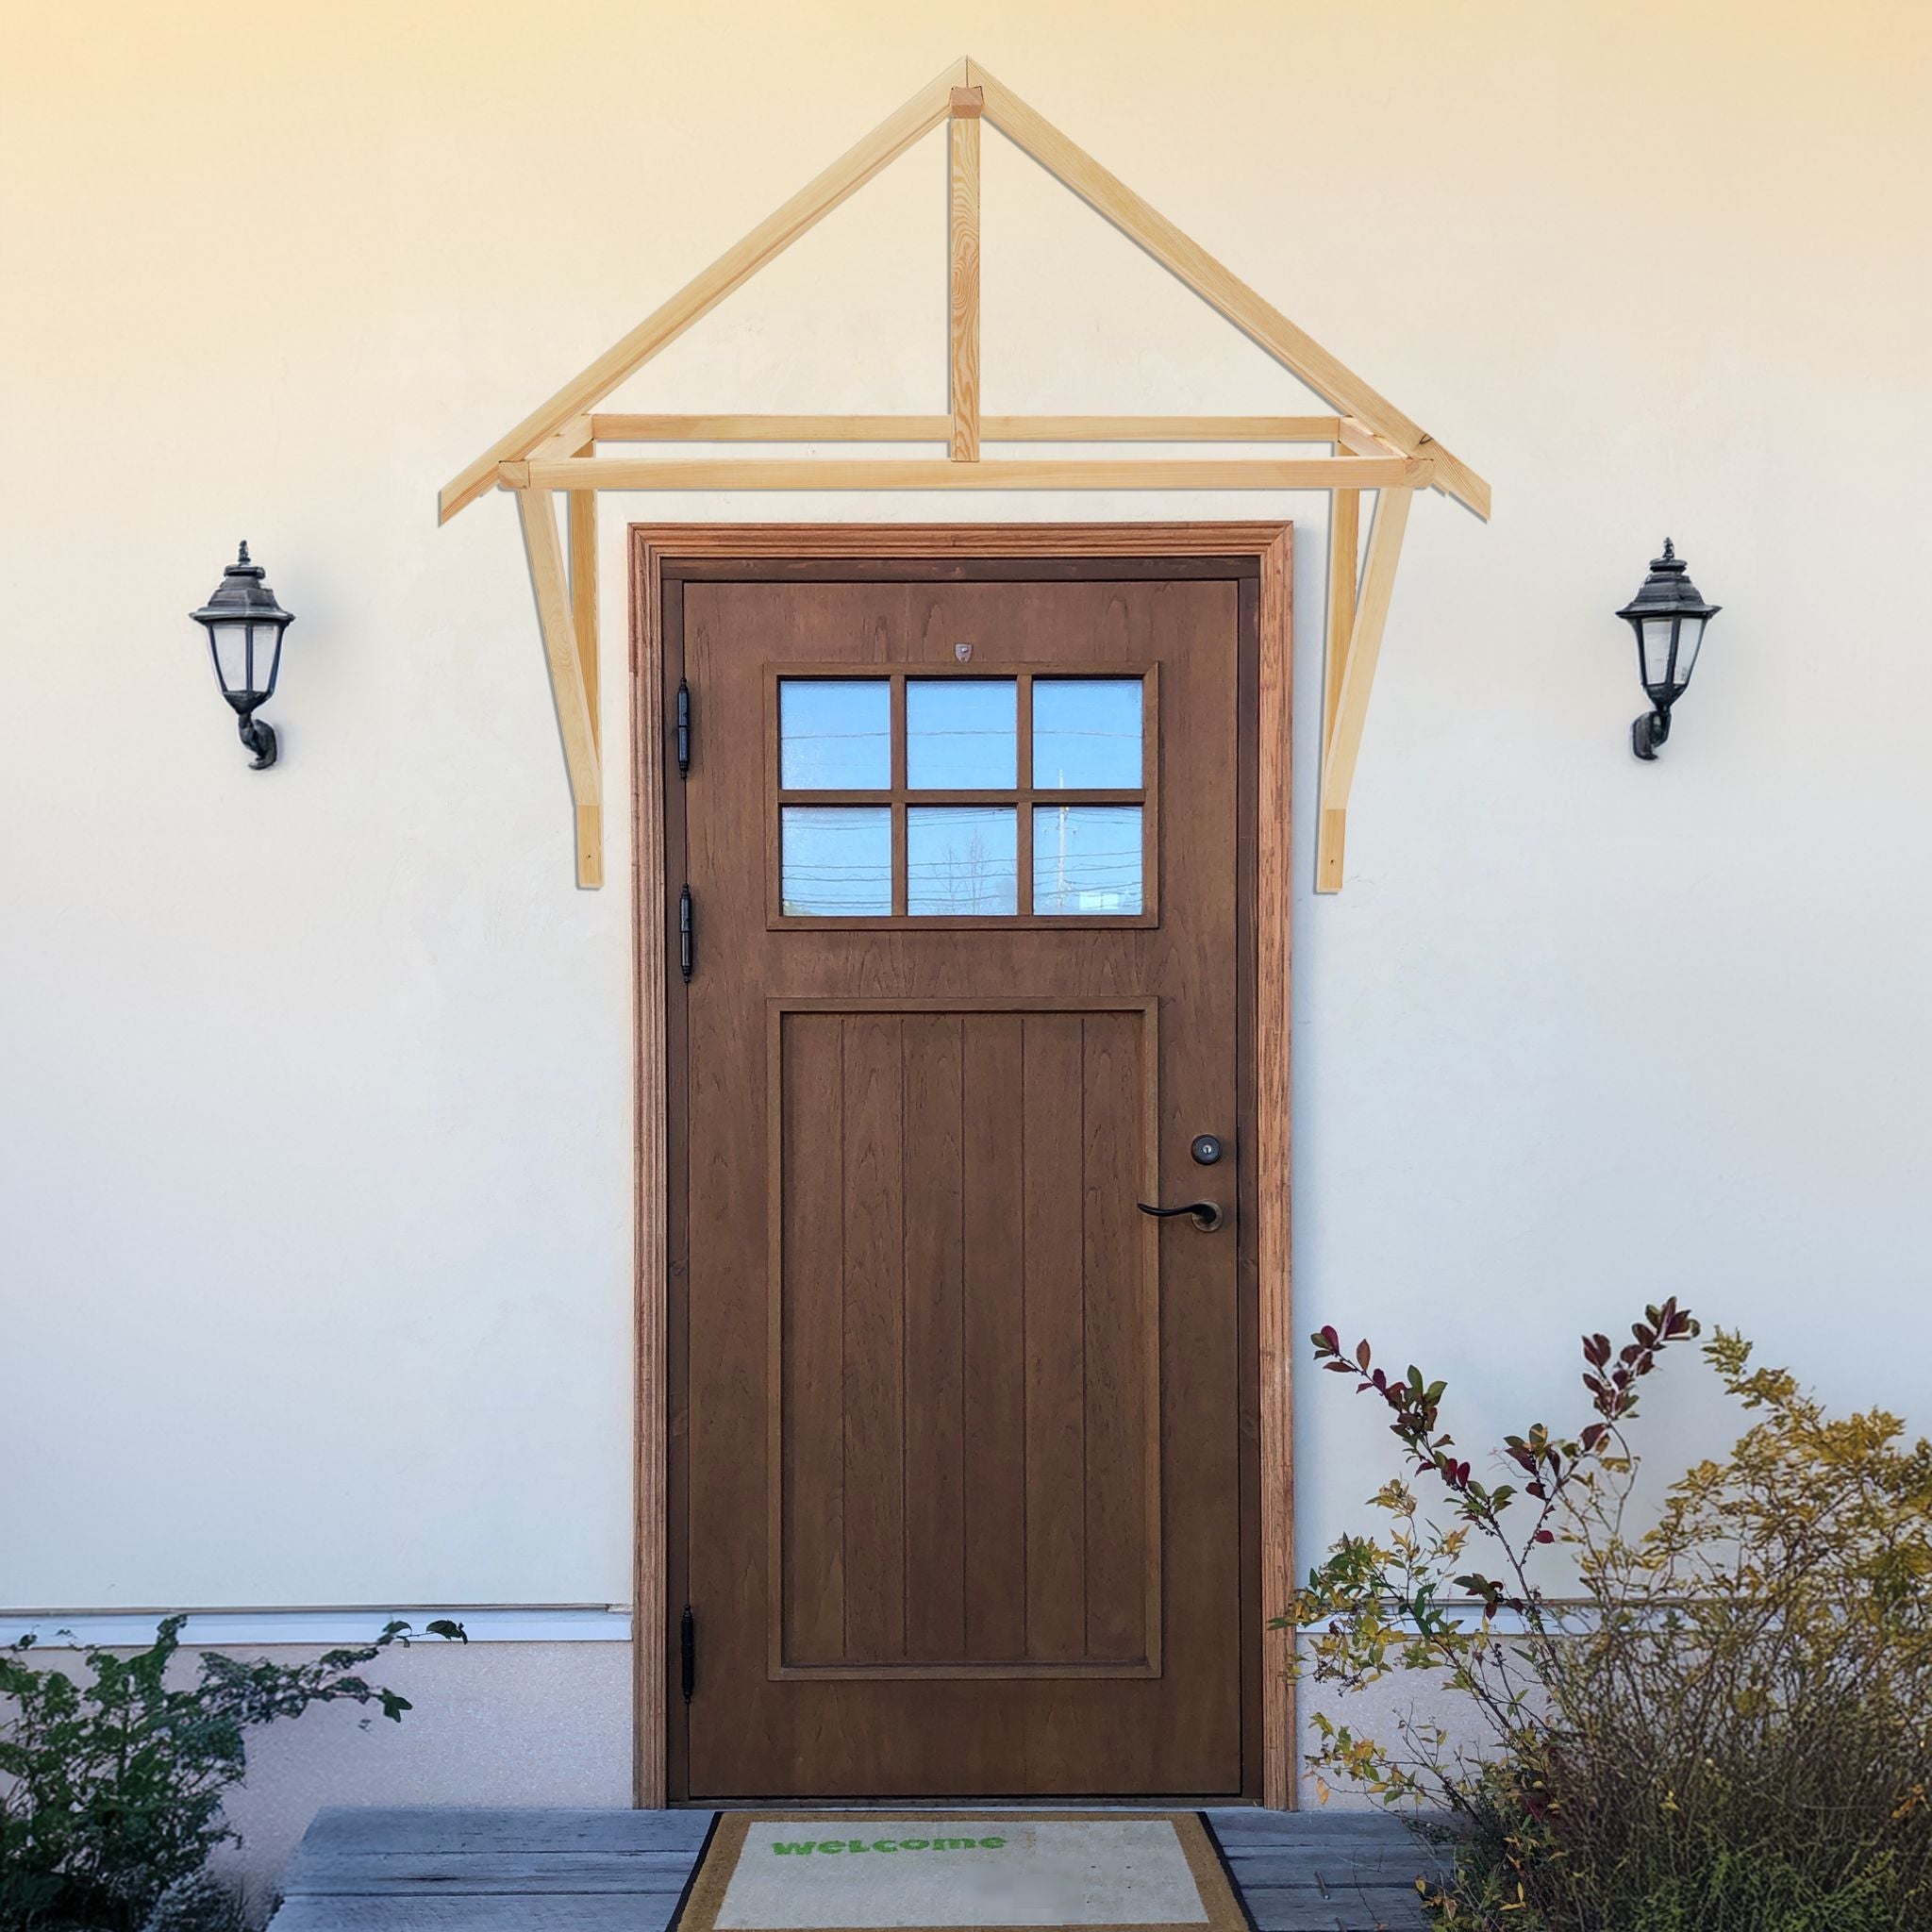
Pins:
<point x="655" y="547"/>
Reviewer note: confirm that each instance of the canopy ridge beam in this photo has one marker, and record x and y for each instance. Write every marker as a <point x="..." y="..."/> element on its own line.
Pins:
<point x="567" y="685"/>
<point x="1219" y="287"/>
<point x="962" y="272"/>
<point x="1343" y="736"/>
<point x="931" y="105"/>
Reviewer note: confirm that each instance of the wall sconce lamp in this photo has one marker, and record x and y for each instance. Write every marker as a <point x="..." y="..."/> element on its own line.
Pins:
<point x="1668" y="616"/>
<point x="244" y="628"/>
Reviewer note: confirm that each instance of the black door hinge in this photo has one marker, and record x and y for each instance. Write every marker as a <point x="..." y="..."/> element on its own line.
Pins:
<point x="684" y="933"/>
<point x="683" y="730"/>
<point x="687" y="1651"/>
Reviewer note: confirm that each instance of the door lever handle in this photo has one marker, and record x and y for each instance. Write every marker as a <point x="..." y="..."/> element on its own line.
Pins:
<point x="1205" y="1214"/>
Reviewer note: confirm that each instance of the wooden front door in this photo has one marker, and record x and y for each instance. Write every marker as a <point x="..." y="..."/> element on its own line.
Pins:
<point x="961" y="1472"/>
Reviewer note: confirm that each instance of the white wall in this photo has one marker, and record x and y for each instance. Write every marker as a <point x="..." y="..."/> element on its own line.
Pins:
<point x="315" y="1119"/>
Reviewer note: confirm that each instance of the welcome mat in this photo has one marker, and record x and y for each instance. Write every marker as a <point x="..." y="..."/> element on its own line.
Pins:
<point x="962" y="1872"/>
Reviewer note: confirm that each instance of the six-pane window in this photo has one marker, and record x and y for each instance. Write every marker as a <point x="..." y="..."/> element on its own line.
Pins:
<point x="965" y="798"/>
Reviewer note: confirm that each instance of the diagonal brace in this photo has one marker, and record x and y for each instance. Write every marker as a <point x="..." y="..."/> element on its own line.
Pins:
<point x="568" y="684"/>
<point x="1351" y="703"/>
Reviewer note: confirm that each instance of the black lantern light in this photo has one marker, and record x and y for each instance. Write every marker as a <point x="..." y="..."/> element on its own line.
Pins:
<point x="245" y="637"/>
<point x="1668" y="616"/>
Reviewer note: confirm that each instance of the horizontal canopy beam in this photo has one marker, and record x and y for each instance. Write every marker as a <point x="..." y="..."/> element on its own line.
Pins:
<point x="1037" y="473"/>
<point x="742" y="429"/>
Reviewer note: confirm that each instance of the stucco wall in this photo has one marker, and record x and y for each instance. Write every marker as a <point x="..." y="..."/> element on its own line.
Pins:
<point x="314" y="1111"/>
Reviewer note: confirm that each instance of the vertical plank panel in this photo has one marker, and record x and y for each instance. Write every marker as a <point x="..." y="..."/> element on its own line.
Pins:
<point x="935" y="1342"/>
<point x="1114" y="1343"/>
<point x="1055" y="1401"/>
<point x="995" y="1320"/>
<point x="874" y="1340"/>
<point x="812" y="1454"/>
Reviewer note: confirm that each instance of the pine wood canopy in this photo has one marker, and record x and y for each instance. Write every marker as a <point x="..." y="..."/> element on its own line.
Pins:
<point x="1371" y="445"/>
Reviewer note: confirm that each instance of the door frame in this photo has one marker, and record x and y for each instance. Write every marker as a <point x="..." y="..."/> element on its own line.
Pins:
<point x="1270" y="545"/>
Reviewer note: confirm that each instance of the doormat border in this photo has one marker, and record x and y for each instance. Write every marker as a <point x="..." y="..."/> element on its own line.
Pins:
<point x="1221" y="1897"/>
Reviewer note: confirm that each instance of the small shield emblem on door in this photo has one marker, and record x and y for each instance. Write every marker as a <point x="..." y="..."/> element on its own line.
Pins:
<point x="963" y="652"/>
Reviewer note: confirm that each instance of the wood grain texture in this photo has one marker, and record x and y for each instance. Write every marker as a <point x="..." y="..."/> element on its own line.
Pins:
<point x="616" y="427"/>
<point x="1274" y="1030"/>
<point x="582" y="524"/>
<point x="993" y="1381"/>
<point x="507" y="1912"/>
<point x="451" y="1829"/>
<point x="1219" y="287"/>
<point x="651" y="1609"/>
<point x="1344" y="738"/>
<point x="1344" y="550"/>
<point x="567" y="686"/>
<point x="1000" y="473"/>
<point x="926" y="109"/>
<point x="962" y="282"/>
<point x="458" y="1869"/>
<point x="877" y="1713"/>
<point x="872" y="1131"/>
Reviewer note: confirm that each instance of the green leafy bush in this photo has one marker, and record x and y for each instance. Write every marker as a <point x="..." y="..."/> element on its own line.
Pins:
<point x="112" y="1789"/>
<point x="1730" y="1731"/>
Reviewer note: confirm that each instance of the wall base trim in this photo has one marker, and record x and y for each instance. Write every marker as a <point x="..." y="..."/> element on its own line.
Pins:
<point x="491" y="1623"/>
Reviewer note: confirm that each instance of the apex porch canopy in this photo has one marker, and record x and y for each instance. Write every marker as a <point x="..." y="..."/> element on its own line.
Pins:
<point x="1371" y="445"/>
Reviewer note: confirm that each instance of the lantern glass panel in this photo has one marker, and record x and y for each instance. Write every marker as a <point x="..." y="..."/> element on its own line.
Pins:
<point x="1654" y="643"/>
<point x="1689" y="635"/>
<point x="230" y="643"/>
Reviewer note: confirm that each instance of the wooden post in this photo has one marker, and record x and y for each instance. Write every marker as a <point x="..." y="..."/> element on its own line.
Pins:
<point x="962" y="257"/>
<point x="1344" y="537"/>
<point x="566" y="680"/>
<point x="583" y="593"/>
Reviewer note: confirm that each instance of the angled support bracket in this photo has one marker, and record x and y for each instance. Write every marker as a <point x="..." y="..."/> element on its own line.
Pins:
<point x="1346" y="708"/>
<point x="568" y="687"/>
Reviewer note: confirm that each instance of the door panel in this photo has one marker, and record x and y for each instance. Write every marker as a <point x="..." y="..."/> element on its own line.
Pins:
<point x="965" y="1485"/>
<point x="888" y="1297"/>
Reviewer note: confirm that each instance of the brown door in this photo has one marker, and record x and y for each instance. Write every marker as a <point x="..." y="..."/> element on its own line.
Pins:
<point x="960" y="1439"/>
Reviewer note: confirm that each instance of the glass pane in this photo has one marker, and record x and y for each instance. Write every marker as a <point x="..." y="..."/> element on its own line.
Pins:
<point x="1656" y="651"/>
<point x="835" y="734"/>
<point x="1087" y="858"/>
<point x="230" y="645"/>
<point x="962" y="860"/>
<point x="1087" y="733"/>
<point x="1688" y="637"/>
<point x="836" y="860"/>
<point x="959" y="733"/>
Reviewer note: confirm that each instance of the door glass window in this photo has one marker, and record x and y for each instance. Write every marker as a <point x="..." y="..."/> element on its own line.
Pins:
<point x="1087" y="734"/>
<point x="835" y="734"/>
<point x="962" y="860"/>
<point x="836" y="861"/>
<point x="962" y="734"/>
<point x="1087" y="858"/>
<point x="926" y="797"/>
